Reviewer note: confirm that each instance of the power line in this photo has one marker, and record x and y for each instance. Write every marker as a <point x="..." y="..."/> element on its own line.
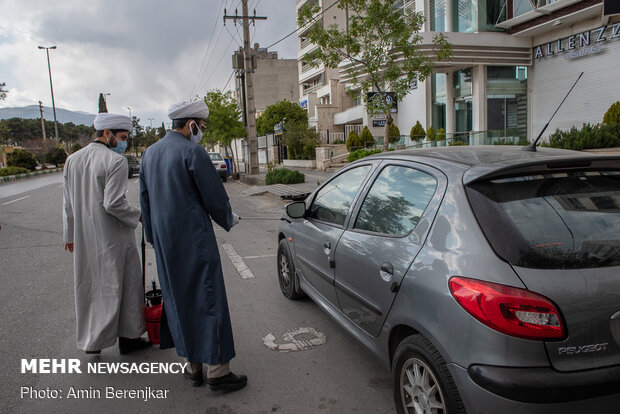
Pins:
<point x="228" y="81"/>
<point x="202" y="65"/>
<point x="296" y="30"/>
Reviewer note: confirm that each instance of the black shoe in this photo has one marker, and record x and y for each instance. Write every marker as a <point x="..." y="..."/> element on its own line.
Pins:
<point x="93" y="352"/>
<point x="230" y="382"/>
<point x="127" y="345"/>
<point x="196" y="379"/>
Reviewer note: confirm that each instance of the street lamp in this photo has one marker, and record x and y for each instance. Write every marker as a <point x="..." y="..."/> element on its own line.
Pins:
<point x="47" y="50"/>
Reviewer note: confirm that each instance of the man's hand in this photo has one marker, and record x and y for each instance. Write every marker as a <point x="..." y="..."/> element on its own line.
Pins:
<point x="235" y="220"/>
<point x="69" y="246"/>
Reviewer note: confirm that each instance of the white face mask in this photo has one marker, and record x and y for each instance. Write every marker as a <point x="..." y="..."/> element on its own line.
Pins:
<point x="195" y="138"/>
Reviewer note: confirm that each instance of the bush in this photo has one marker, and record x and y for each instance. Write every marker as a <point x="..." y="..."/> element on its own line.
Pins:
<point x="441" y="134"/>
<point x="431" y="134"/>
<point x="12" y="171"/>
<point x="503" y="141"/>
<point x="75" y="147"/>
<point x="338" y="141"/>
<point x="612" y="116"/>
<point x="588" y="137"/>
<point x="354" y="141"/>
<point x="417" y="132"/>
<point x="22" y="158"/>
<point x="361" y="153"/>
<point x="284" y="176"/>
<point x="393" y="134"/>
<point x="366" y="138"/>
<point x="56" y="156"/>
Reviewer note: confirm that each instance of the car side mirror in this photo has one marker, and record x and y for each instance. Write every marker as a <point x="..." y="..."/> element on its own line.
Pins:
<point x="296" y="210"/>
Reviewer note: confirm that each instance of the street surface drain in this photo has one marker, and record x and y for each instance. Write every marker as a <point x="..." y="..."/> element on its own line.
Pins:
<point x="299" y="339"/>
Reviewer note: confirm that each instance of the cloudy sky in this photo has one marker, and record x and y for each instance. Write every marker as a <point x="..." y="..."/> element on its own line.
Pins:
<point x="145" y="53"/>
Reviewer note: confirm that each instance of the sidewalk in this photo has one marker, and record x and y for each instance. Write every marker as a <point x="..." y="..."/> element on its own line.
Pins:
<point x="313" y="178"/>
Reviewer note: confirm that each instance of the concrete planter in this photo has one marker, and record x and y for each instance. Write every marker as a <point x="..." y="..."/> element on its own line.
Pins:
<point x="300" y="163"/>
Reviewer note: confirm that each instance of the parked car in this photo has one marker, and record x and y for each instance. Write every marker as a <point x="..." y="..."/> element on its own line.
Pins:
<point x="219" y="164"/>
<point x="487" y="279"/>
<point x="134" y="165"/>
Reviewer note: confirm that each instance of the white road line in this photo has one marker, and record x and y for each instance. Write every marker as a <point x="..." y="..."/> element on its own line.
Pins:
<point x="238" y="262"/>
<point x="17" y="199"/>
<point x="260" y="257"/>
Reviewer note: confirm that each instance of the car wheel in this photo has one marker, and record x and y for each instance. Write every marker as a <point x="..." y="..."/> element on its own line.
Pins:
<point x="224" y="179"/>
<point x="286" y="272"/>
<point x="421" y="380"/>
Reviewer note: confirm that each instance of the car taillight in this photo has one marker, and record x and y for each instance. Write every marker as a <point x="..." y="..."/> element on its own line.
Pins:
<point x="513" y="311"/>
<point x="223" y="166"/>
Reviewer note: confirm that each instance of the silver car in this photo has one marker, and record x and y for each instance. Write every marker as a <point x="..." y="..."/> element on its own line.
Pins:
<point x="487" y="279"/>
<point x="219" y="164"/>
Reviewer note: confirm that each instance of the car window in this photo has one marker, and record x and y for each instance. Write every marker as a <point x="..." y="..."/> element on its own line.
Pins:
<point x="552" y="221"/>
<point x="215" y="157"/>
<point x="396" y="201"/>
<point x="333" y="201"/>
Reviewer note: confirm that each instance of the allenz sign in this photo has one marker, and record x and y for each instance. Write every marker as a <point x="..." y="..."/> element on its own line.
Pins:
<point x="579" y="44"/>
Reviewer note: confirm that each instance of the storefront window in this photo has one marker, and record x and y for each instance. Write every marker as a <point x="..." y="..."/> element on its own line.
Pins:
<point x="438" y="15"/>
<point x="439" y="101"/>
<point x="463" y="106"/>
<point x="495" y="13"/>
<point x="465" y="15"/>
<point x="507" y="103"/>
<point x="520" y="7"/>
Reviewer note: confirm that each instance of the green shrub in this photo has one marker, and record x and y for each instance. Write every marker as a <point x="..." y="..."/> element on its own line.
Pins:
<point x="12" y="171"/>
<point x="504" y="141"/>
<point x="588" y="137"/>
<point x="22" y="158"/>
<point x="366" y="138"/>
<point x="417" y="132"/>
<point x="612" y="116"/>
<point x="338" y="141"/>
<point x="284" y="176"/>
<point x="361" y="153"/>
<point x="441" y="134"/>
<point x="431" y="134"/>
<point x="393" y="134"/>
<point x="56" y="156"/>
<point x="354" y="141"/>
<point x="75" y="147"/>
<point x="457" y="143"/>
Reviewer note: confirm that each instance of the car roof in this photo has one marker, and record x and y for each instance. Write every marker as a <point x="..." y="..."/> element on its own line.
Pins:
<point x="485" y="161"/>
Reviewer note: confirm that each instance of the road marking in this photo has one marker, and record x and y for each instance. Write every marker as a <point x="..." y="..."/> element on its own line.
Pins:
<point x="293" y="344"/>
<point x="17" y="199"/>
<point x="260" y="257"/>
<point x="238" y="262"/>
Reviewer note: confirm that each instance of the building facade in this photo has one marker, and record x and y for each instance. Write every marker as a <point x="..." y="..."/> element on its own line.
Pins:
<point x="513" y="62"/>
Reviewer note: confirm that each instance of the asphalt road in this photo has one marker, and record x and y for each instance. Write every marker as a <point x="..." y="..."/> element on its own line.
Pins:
<point x="38" y="321"/>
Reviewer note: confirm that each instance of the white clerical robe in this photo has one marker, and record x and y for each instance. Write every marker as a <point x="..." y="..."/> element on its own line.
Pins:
<point x="100" y="222"/>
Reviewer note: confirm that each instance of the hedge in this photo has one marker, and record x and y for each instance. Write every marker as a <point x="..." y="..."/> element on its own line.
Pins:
<point x="284" y="176"/>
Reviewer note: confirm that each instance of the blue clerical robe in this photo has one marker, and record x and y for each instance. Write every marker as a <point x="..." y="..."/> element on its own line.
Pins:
<point x="180" y="192"/>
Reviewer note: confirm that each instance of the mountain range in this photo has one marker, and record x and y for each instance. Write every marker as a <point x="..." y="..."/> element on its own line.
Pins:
<point x="62" y="115"/>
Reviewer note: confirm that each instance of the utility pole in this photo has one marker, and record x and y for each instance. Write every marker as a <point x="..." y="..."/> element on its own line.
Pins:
<point x="42" y="120"/>
<point x="248" y="69"/>
<point x="49" y="68"/>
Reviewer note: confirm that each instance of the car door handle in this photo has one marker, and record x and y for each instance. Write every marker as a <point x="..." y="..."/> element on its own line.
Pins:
<point x="386" y="272"/>
<point x="327" y="247"/>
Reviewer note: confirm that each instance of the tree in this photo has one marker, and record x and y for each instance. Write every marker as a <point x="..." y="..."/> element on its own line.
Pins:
<point x="103" y="108"/>
<point x="612" y="116"/>
<point x="161" y="131"/>
<point x="22" y="158"/>
<point x="56" y="156"/>
<point x="2" y="91"/>
<point x="417" y="132"/>
<point x="378" y="51"/>
<point x="224" y="121"/>
<point x="353" y="141"/>
<point x="277" y="113"/>
<point x="300" y="140"/>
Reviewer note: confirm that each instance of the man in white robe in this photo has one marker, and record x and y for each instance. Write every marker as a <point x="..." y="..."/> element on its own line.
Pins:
<point x="99" y="225"/>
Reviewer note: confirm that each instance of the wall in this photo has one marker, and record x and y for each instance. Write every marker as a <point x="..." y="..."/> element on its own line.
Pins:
<point x="552" y="77"/>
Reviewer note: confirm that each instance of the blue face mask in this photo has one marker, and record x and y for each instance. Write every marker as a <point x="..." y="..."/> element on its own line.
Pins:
<point x="121" y="147"/>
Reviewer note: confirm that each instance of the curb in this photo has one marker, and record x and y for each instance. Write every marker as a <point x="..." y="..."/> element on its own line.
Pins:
<point x="7" y="178"/>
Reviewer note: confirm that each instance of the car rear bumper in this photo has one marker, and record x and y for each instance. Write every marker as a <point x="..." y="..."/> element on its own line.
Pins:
<point x="491" y="389"/>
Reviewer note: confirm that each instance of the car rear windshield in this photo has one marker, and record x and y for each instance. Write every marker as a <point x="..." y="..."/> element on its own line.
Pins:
<point x="564" y="220"/>
<point x="215" y="157"/>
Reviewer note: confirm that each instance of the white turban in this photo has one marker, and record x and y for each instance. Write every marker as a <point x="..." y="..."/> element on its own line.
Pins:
<point x="196" y="109"/>
<point x="112" y="121"/>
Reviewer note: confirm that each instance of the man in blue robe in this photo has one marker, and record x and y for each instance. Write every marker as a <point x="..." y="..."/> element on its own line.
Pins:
<point x="180" y="193"/>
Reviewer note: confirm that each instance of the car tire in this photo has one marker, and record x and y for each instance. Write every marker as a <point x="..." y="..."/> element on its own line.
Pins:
<point x="421" y="380"/>
<point x="224" y="179"/>
<point x="286" y="272"/>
